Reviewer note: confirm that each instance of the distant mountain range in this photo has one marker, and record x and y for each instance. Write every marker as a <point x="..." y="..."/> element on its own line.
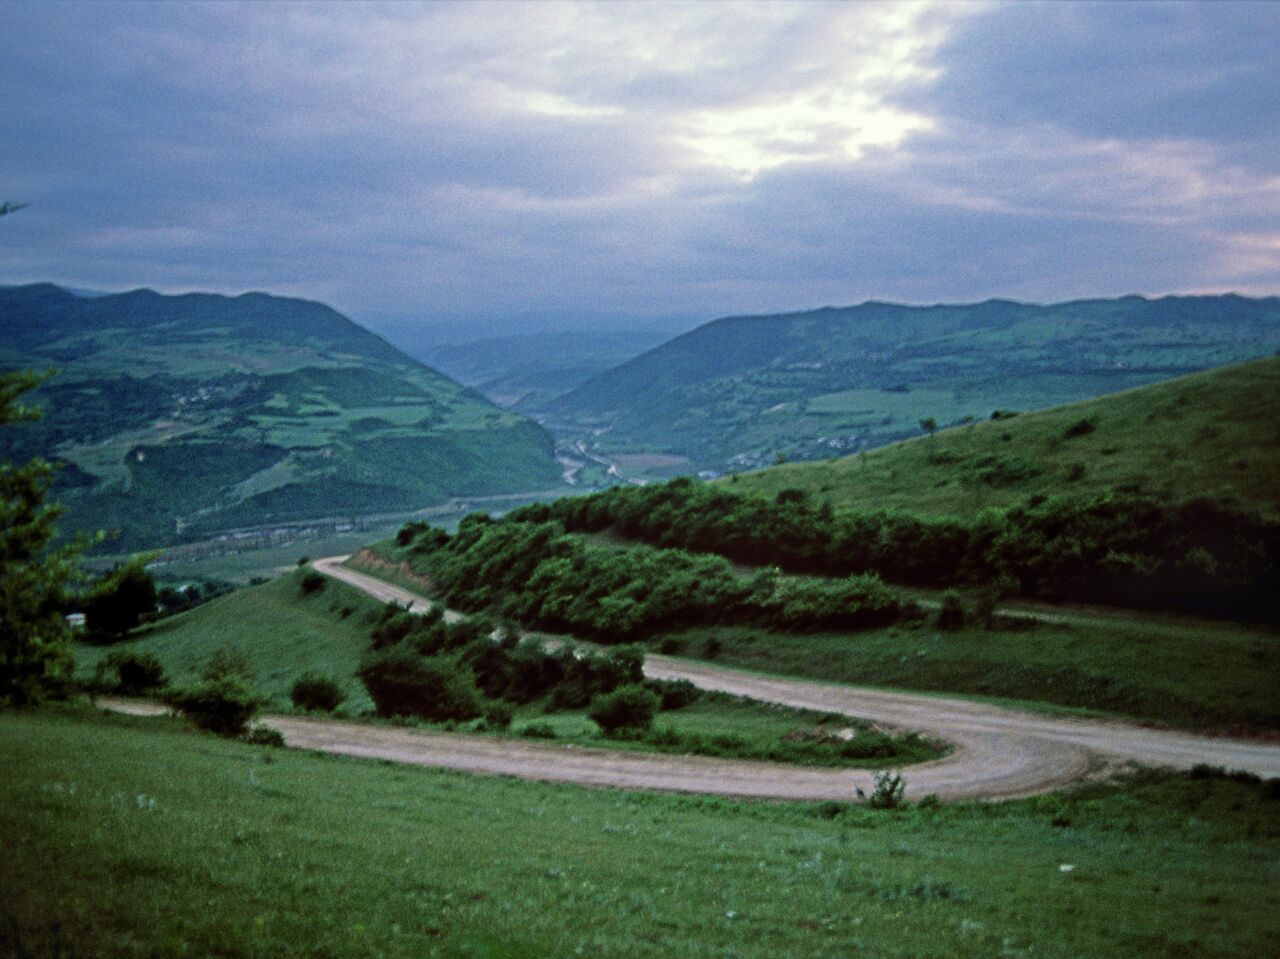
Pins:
<point x="176" y="416"/>
<point x="744" y="392"/>
<point x="526" y="371"/>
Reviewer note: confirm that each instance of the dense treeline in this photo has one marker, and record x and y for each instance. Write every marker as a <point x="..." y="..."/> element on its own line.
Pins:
<point x="537" y="574"/>
<point x="1122" y="549"/>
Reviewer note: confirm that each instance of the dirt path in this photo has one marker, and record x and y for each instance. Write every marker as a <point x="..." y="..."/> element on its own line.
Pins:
<point x="999" y="752"/>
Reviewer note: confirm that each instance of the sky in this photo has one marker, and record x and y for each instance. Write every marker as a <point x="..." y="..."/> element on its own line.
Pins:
<point x="543" y="165"/>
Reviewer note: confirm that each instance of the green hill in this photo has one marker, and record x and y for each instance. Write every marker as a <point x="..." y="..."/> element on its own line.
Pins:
<point x="738" y="392"/>
<point x="177" y="416"/>
<point x="1215" y="433"/>
<point x="280" y="631"/>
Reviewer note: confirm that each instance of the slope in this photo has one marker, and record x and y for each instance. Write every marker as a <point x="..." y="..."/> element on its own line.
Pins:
<point x="1215" y="433"/>
<point x="177" y="416"/>
<point x="281" y="631"/>
<point x="741" y="391"/>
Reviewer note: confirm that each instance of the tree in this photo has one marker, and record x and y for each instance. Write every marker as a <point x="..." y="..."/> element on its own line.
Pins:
<point x="35" y="656"/>
<point x="118" y="602"/>
<point x="929" y="424"/>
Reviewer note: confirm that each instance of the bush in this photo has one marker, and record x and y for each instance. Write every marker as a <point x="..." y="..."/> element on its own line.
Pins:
<point x="316" y="693"/>
<point x="311" y="583"/>
<point x="889" y="791"/>
<point x="951" y="613"/>
<point x="223" y="706"/>
<point x="673" y="693"/>
<point x="137" y="672"/>
<point x="227" y="662"/>
<point x="539" y="731"/>
<point x="498" y="715"/>
<point x="403" y="682"/>
<point x="264" y="736"/>
<point x="630" y="707"/>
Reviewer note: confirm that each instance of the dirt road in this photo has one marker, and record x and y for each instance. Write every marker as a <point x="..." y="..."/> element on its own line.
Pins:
<point x="998" y="753"/>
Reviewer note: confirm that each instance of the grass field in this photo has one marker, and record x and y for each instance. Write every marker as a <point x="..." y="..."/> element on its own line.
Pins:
<point x="1211" y="433"/>
<point x="231" y="850"/>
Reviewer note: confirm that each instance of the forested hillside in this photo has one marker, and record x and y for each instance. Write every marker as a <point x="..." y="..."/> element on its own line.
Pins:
<point x="741" y="392"/>
<point x="175" y="416"/>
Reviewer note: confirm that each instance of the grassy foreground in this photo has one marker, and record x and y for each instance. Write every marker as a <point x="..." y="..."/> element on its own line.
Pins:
<point x="128" y="837"/>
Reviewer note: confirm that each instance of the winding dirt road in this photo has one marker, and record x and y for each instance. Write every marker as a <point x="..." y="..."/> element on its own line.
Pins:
<point x="999" y="752"/>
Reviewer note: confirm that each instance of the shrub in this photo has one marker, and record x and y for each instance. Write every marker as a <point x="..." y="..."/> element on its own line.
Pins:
<point x="539" y="731"/>
<point x="889" y="791"/>
<point x="227" y="662"/>
<point x="318" y="693"/>
<point x="403" y="682"/>
<point x="137" y="671"/>
<point x="264" y="736"/>
<point x="951" y="613"/>
<point x="498" y="715"/>
<point x="1079" y="428"/>
<point x="630" y="707"/>
<point x="673" y="693"/>
<point x="311" y="583"/>
<point x="223" y="706"/>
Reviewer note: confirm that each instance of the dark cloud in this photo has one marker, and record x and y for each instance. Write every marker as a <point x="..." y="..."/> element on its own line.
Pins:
<point x="639" y="160"/>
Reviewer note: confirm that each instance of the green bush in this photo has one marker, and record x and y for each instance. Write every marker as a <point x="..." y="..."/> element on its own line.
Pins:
<point x="673" y="693"/>
<point x="223" y="706"/>
<point x="227" y="662"/>
<point x="403" y="682"/>
<point x="498" y="715"/>
<point x="951" y="613"/>
<point x="135" y="672"/>
<point x="317" y="693"/>
<point x="629" y="707"/>
<point x="889" y="791"/>
<point x="264" y="736"/>
<point x="311" y="583"/>
<point x="539" y="731"/>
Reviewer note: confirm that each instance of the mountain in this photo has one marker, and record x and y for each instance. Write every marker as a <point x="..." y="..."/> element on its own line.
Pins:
<point x="740" y="392"/>
<point x="526" y="371"/>
<point x="176" y="416"/>
<point x="1213" y="434"/>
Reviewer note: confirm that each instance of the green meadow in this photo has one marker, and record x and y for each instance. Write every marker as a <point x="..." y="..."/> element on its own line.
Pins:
<point x="233" y="850"/>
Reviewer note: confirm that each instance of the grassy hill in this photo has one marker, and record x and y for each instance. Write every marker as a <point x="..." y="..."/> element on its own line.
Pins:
<point x="176" y="416"/>
<point x="740" y="391"/>
<point x="1215" y="433"/>
<point x="281" y="631"/>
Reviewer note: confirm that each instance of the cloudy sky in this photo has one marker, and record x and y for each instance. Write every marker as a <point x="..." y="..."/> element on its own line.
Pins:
<point x="548" y="163"/>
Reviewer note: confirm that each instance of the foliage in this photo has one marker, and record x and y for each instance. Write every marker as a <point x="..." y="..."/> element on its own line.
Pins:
<point x="35" y="661"/>
<point x="889" y="791"/>
<point x="629" y="707"/>
<point x="531" y="571"/>
<point x="316" y="692"/>
<point x="261" y="735"/>
<point x="1119" y="548"/>
<point x="223" y="706"/>
<point x="951" y="614"/>
<point x="119" y="601"/>
<point x="227" y="662"/>
<point x="130" y="672"/>
<point x="403" y="682"/>
<point x="312" y="583"/>
<point x="498" y="715"/>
